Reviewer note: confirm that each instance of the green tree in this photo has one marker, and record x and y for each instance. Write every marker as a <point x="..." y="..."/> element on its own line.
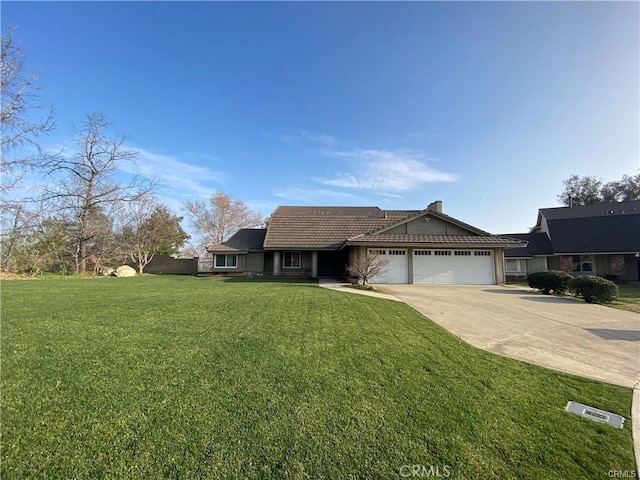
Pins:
<point x="589" y="190"/>
<point x="46" y="248"/>
<point x="624" y="190"/>
<point x="151" y="229"/>
<point x="581" y="191"/>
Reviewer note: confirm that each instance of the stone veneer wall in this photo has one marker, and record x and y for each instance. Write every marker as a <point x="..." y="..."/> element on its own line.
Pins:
<point x="566" y="263"/>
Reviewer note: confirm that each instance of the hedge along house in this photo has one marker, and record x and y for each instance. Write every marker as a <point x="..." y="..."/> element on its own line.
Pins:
<point x="601" y="239"/>
<point x="422" y="246"/>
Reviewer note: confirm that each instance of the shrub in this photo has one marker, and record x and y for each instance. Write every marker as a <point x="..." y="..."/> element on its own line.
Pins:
<point x="550" y="281"/>
<point x="595" y="289"/>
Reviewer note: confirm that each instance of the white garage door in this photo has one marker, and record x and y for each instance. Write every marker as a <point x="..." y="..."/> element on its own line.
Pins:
<point x="453" y="267"/>
<point x="397" y="270"/>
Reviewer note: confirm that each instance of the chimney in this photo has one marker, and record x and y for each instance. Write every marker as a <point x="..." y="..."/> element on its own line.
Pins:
<point x="435" y="206"/>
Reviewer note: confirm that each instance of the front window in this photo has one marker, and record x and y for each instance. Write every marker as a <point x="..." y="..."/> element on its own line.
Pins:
<point x="291" y="260"/>
<point x="582" y="263"/>
<point x="226" y="261"/>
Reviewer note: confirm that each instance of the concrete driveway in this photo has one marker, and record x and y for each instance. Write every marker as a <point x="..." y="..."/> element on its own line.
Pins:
<point x="564" y="334"/>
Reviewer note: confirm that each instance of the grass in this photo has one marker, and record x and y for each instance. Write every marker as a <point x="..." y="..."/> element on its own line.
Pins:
<point x="628" y="298"/>
<point x="182" y="377"/>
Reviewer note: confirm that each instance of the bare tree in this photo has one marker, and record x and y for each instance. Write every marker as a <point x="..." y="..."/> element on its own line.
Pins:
<point x="20" y="130"/>
<point x="150" y="229"/>
<point x="84" y="182"/>
<point x="220" y="217"/>
<point x="19" y="145"/>
<point x="368" y="266"/>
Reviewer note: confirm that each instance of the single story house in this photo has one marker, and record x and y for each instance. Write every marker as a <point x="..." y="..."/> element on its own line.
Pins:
<point x="422" y="246"/>
<point x="601" y="239"/>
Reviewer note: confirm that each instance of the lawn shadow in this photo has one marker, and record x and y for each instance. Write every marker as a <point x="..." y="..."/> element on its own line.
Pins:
<point x="508" y="291"/>
<point x="610" y="334"/>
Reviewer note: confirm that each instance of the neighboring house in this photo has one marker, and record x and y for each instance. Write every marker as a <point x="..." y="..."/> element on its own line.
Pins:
<point x="422" y="246"/>
<point x="602" y="239"/>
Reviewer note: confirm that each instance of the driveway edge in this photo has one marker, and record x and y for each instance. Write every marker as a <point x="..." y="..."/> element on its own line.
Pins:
<point x="635" y="419"/>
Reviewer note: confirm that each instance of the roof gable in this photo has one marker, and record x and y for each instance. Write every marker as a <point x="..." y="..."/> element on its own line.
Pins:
<point x="604" y="234"/>
<point x="413" y="226"/>
<point x="607" y="227"/>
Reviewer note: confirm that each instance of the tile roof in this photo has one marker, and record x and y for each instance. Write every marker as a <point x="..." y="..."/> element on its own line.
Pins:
<point x="330" y="228"/>
<point x="437" y="240"/>
<point x="326" y="227"/>
<point x="243" y="241"/>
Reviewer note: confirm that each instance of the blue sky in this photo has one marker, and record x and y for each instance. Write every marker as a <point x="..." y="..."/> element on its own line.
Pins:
<point x="486" y="106"/>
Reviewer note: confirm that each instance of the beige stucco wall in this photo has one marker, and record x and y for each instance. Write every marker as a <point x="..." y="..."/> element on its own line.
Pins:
<point x="498" y="261"/>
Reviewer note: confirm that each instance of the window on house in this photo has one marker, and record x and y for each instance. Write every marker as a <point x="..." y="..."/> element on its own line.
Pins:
<point x="374" y="251"/>
<point x="512" y="265"/>
<point x="227" y="261"/>
<point x="462" y="253"/>
<point x="291" y="260"/>
<point x="582" y="263"/>
<point x="422" y="252"/>
<point x="482" y="253"/>
<point x="397" y="252"/>
<point x="442" y="252"/>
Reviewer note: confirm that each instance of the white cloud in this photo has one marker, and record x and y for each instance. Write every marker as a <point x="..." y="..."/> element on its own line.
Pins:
<point x="175" y="177"/>
<point x="386" y="171"/>
<point x="322" y="196"/>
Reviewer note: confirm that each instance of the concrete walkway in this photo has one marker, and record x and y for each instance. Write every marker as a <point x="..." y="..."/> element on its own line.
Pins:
<point x="346" y="287"/>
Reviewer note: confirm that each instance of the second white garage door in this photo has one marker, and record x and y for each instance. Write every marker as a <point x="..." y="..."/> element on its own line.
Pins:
<point x="453" y="267"/>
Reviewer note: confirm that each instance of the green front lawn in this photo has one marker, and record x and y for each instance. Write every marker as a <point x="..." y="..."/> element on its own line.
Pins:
<point x="628" y="298"/>
<point x="181" y="377"/>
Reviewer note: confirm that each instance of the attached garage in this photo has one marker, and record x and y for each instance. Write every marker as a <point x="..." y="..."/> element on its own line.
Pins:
<point x="453" y="267"/>
<point x="437" y="266"/>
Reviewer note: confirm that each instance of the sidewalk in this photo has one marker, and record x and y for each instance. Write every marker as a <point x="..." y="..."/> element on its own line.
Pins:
<point x="346" y="287"/>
